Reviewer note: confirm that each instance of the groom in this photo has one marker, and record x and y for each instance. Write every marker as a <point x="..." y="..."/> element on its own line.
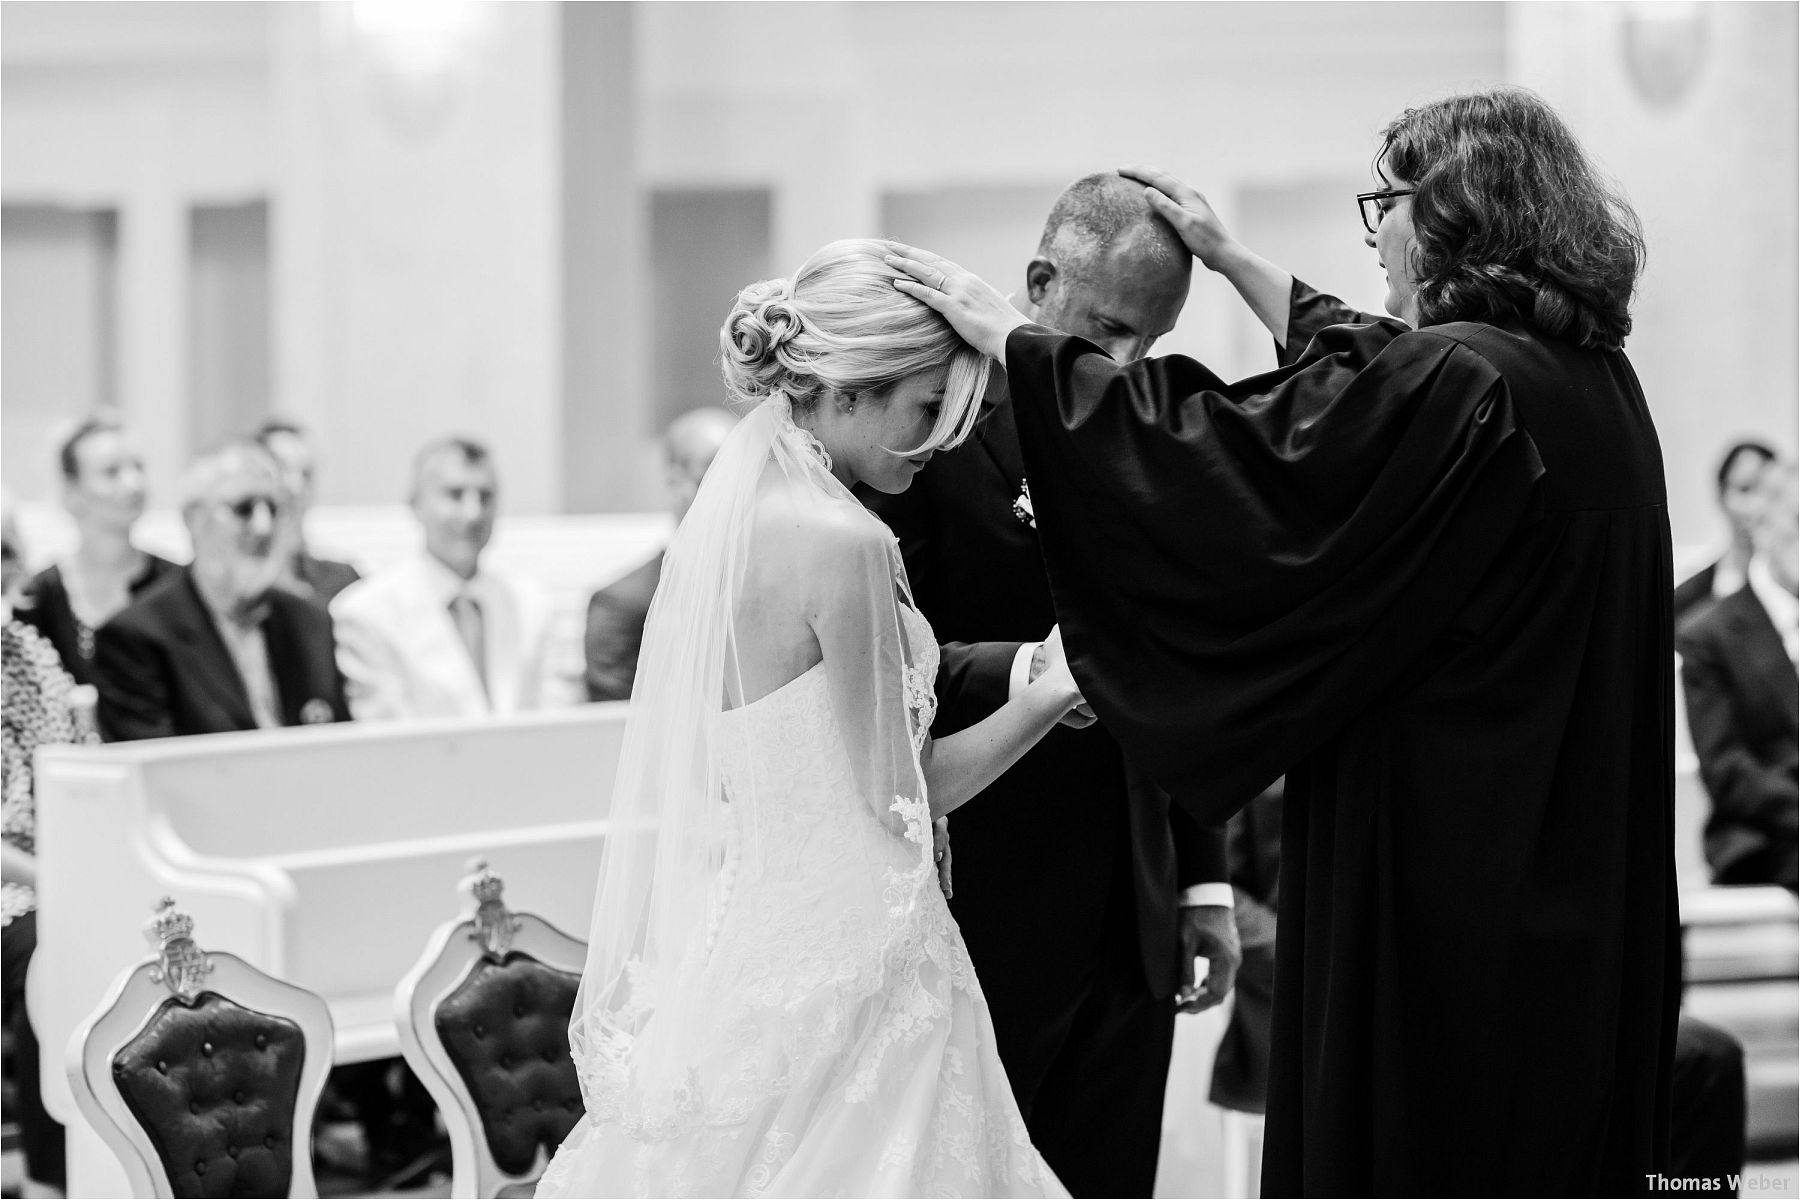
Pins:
<point x="1082" y="895"/>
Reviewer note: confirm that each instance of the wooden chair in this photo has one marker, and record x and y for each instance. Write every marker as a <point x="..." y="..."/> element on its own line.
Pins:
<point x="201" y="1073"/>
<point x="483" y="1019"/>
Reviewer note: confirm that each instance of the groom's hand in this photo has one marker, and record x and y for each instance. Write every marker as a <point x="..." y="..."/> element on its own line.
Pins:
<point x="1206" y="931"/>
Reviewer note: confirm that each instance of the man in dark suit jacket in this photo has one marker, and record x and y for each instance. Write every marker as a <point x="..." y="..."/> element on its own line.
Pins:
<point x="1737" y="665"/>
<point x="616" y="613"/>
<point x="218" y="647"/>
<point x="1070" y="869"/>
<point x="1739" y="499"/>
<point x="306" y="575"/>
<point x="615" y="631"/>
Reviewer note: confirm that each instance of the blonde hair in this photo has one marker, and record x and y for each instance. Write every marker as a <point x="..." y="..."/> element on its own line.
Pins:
<point x="840" y="325"/>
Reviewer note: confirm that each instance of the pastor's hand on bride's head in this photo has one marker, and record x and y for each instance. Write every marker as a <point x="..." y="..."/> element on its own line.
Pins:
<point x="979" y="313"/>
<point x="1188" y="212"/>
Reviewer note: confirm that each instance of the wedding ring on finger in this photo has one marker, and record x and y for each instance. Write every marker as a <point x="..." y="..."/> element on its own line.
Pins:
<point x="942" y="280"/>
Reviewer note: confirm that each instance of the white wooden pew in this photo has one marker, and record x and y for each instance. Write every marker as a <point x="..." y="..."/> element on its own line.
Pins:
<point x="324" y="856"/>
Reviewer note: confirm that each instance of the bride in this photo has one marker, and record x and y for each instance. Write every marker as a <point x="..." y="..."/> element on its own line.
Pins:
<point x="776" y="999"/>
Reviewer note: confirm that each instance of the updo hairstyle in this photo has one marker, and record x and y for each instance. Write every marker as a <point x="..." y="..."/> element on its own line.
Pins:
<point x="840" y="325"/>
<point x="1512" y="221"/>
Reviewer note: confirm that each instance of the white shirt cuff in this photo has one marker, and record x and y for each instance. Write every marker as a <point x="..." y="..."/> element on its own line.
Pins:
<point x="1207" y="893"/>
<point x="1021" y="670"/>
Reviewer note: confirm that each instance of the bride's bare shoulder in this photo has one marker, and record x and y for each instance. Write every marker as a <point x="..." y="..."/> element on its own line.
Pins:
<point x="805" y="528"/>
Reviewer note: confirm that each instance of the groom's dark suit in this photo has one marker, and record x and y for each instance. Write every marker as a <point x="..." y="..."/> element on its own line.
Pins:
<point x="1067" y="868"/>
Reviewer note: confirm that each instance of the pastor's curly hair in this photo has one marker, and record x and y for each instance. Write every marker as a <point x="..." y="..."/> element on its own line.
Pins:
<point x="1512" y="220"/>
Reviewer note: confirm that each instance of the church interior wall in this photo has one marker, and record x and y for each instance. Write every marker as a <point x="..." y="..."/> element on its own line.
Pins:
<point x="460" y="237"/>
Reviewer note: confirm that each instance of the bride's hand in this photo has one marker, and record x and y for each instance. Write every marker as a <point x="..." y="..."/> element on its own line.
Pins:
<point x="981" y="315"/>
<point x="1056" y="673"/>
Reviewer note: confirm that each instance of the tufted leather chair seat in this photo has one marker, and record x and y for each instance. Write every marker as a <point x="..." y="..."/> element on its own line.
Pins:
<point x="215" y="1086"/>
<point x="506" y="1029"/>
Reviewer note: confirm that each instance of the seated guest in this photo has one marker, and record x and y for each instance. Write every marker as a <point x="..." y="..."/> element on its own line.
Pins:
<point x="304" y="574"/>
<point x="42" y="708"/>
<point x="220" y="647"/>
<point x="1739" y="500"/>
<point x="616" y="613"/>
<point x="1737" y="664"/>
<point x="103" y="489"/>
<point x="437" y="635"/>
<point x="217" y="646"/>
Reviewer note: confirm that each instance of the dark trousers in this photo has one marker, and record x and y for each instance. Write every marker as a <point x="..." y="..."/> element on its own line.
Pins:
<point x="1087" y="1053"/>
<point x="41" y="1137"/>
<point x="393" y="1108"/>
<point x="1241" y="1068"/>
<point x="1706" y="1125"/>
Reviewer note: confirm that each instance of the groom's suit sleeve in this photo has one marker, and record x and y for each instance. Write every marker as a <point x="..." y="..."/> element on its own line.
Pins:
<point x="1201" y="851"/>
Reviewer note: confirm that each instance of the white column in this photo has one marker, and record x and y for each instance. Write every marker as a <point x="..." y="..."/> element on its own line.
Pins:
<point x="827" y="184"/>
<point x="1691" y="109"/>
<point x="608" y="449"/>
<point x="304" y="367"/>
<point x="417" y="239"/>
<point x="153" y="300"/>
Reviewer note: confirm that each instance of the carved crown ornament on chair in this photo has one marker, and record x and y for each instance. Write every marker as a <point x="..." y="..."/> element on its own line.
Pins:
<point x="201" y="1073"/>
<point x="483" y="1020"/>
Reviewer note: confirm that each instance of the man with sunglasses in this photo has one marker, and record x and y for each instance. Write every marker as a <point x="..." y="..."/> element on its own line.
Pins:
<point x="218" y="647"/>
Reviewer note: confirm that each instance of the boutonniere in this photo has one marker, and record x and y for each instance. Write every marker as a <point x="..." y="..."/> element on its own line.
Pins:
<point x="1022" y="506"/>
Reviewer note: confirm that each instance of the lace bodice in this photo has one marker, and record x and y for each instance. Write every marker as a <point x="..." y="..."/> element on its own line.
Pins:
<point x="789" y="743"/>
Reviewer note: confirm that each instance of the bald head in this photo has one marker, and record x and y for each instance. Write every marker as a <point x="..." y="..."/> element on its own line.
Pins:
<point x="1098" y="213"/>
<point x="690" y="443"/>
<point x="1108" y="268"/>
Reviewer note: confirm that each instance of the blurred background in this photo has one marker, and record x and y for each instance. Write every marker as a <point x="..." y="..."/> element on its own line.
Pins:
<point x="389" y="219"/>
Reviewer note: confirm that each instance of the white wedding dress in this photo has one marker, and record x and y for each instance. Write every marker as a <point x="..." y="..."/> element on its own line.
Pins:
<point x="834" y="1037"/>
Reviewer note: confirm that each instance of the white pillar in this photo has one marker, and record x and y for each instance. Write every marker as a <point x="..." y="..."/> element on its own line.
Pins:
<point x="153" y="297"/>
<point x="1691" y="109"/>
<point x="417" y="239"/>
<point x="607" y="454"/>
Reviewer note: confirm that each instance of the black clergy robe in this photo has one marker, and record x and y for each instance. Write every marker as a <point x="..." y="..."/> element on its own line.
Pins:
<point x="1427" y="575"/>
